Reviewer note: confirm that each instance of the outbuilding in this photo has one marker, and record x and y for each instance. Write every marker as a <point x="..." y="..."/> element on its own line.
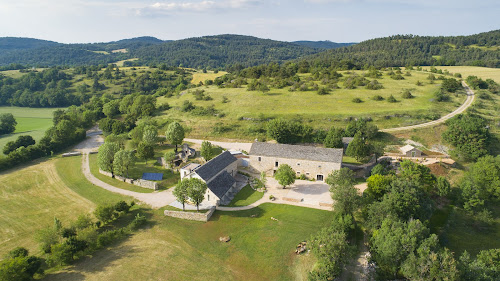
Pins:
<point x="410" y="151"/>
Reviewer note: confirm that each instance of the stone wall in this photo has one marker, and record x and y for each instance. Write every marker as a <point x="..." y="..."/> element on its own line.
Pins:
<point x="302" y="167"/>
<point x="194" y="216"/>
<point x="146" y="184"/>
<point x="141" y="183"/>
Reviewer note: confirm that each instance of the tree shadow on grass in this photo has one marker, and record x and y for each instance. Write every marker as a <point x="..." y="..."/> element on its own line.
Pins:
<point x="256" y="212"/>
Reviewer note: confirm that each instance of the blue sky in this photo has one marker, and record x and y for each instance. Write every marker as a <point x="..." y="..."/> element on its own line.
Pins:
<point x="72" y="21"/>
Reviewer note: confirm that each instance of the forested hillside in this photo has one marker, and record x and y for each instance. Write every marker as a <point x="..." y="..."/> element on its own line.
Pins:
<point x="221" y="51"/>
<point x="16" y="43"/>
<point x="209" y="51"/>
<point x="322" y="44"/>
<point x="400" y="50"/>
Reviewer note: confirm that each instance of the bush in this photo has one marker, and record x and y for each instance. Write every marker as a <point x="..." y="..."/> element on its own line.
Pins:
<point x="357" y="100"/>
<point x="105" y="213"/>
<point x="378" y="98"/>
<point x="407" y="94"/>
<point x="391" y="99"/>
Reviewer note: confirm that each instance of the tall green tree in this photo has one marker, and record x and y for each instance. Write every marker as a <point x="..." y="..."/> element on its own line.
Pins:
<point x="145" y="151"/>
<point x="181" y="191"/>
<point x="344" y="194"/>
<point x="196" y="191"/>
<point x="207" y="150"/>
<point x="150" y="135"/>
<point x="285" y="175"/>
<point x="358" y="147"/>
<point x="106" y="156"/>
<point x="7" y="123"/>
<point x="469" y="134"/>
<point x="334" y="138"/>
<point x="124" y="160"/>
<point x="175" y="134"/>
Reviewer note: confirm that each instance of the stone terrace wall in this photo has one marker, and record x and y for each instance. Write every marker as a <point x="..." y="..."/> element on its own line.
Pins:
<point x="204" y="217"/>
<point x="141" y="183"/>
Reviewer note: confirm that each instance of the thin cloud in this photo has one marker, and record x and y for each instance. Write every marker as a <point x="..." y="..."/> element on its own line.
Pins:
<point x="168" y="8"/>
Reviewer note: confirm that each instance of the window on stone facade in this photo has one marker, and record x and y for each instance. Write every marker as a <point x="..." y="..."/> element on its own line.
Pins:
<point x="298" y="173"/>
<point x="260" y="159"/>
<point x="298" y="164"/>
<point x="276" y="164"/>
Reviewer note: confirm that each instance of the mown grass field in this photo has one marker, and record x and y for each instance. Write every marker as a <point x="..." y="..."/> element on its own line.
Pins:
<point x="169" y="248"/>
<point x="245" y="109"/>
<point x="30" y="198"/>
<point x="481" y="72"/>
<point x="199" y="76"/>
<point x="174" y="249"/>
<point x="30" y="121"/>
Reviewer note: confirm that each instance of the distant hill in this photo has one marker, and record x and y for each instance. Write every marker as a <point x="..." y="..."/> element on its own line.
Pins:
<point x="322" y="44"/>
<point x="208" y="51"/>
<point x="222" y="51"/>
<point x="17" y="43"/>
<point x="481" y="49"/>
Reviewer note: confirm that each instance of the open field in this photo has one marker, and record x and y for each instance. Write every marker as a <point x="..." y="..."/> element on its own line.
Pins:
<point x="171" y="248"/>
<point x="174" y="249"/>
<point x="481" y="72"/>
<point x="245" y="110"/>
<point x="30" y="198"/>
<point x="199" y="76"/>
<point x="30" y="121"/>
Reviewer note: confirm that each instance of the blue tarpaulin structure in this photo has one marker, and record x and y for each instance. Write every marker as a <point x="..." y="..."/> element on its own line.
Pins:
<point x="152" y="176"/>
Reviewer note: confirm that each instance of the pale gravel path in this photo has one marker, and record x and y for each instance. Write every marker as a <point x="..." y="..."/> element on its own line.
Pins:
<point x="155" y="199"/>
<point x="468" y="102"/>
<point x="91" y="144"/>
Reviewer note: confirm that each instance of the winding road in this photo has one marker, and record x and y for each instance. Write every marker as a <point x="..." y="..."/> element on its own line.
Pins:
<point x="468" y="102"/>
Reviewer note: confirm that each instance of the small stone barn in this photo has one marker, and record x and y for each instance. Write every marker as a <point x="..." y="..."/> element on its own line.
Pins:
<point x="219" y="174"/>
<point x="313" y="162"/>
<point x="410" y="151"/>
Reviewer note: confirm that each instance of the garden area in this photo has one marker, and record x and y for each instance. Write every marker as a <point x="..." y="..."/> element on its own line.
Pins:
<point x="245" y="197"/>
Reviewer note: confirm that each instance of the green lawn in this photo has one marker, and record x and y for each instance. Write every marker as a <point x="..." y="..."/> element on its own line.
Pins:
<point x="30" y="198"/>
<point x="30" y="121"/>
<point x="245" y="197"/>
<point x="69" y="170"/>
<point x="244" y="110"/>
<point x="175" y="249"/>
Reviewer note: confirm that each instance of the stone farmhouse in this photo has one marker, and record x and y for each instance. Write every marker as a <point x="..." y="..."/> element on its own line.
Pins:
<point x="313" y="162"/>
<point x="218" y="174"/>
<point x="410" y="151"/>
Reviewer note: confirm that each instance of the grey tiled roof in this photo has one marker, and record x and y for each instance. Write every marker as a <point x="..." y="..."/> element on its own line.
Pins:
<point x="214" y="166"/>
<point x="297" y="152"/>
<point x="221" y="184"/>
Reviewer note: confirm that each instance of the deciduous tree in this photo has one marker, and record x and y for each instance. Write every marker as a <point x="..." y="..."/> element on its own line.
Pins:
<point x="285" y="175"/>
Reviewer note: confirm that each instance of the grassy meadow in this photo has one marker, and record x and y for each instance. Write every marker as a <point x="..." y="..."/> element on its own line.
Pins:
<point x="244" y="109"/>
<point x="481" y="72"/>
<point x="30" y="121"/>
<point x="30" y="198"/>
<point x="199" y="76"/>
<point x="175" y="249"/>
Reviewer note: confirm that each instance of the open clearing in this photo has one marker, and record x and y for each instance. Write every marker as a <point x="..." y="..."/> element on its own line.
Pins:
<point x="30" y="198"/>
<point x="481" y="72"/>
<point x="174" y="249"/>
<point x="30" y="121"/>
<point x="245" y="110"/>
<point x="199" y="76"/>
